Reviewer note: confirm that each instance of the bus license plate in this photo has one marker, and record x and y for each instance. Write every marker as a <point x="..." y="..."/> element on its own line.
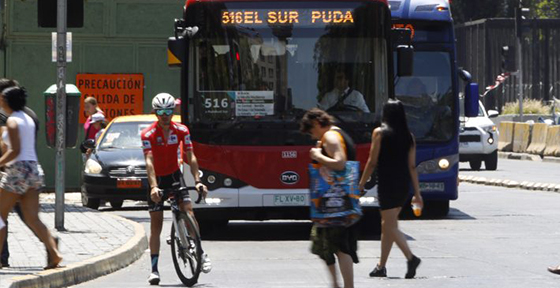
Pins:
<point x="282" y="200"/>
<point x="129" y="183"/>
<point x="432" y="186"/>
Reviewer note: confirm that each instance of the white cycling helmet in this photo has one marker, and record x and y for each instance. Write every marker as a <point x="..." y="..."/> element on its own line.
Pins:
<point x="163" y="101"/>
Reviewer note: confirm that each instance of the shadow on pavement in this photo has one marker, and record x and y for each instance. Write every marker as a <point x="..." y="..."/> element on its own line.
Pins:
<point x="271" y="231"/>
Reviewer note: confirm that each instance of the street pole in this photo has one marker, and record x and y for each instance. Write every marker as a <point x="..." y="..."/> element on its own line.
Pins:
<point x="61" y="114"/>
<point x="520" y="76"/>
<point x="519" y="33"/>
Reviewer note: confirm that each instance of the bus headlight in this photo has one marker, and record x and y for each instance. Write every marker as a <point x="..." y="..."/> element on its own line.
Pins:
<point x="215" y="201"/>
<point x="92" y="167"/>
<point x="437" y="165"/>
<point x="211" y="179"/>
<point x="443" y="164"/>
<point x="367" y="200"/>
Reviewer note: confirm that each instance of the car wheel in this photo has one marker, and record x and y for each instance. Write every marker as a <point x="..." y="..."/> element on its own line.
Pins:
<point x="89" y="202"/>
<point x="475" y="164"/>
<point x="491" y="161"/>
<point x="116" y="204"/>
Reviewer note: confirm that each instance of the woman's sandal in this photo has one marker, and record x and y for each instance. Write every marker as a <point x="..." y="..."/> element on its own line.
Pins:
<point x="51" y="264"/>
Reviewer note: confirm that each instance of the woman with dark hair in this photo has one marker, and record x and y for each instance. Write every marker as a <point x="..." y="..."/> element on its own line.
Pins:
<point x="334" y="148"/>
<point x="23" y="177"/>
<point x="393" y="152"/>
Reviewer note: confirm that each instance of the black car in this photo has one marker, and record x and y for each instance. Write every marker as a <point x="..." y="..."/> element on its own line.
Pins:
<point x="116" y="170"/>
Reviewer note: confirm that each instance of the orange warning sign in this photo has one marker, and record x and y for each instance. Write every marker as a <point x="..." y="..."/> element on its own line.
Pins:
<point x="116" y="94"/>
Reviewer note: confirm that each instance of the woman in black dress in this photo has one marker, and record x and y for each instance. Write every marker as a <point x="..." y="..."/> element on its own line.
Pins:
<point x="393" y="152"/>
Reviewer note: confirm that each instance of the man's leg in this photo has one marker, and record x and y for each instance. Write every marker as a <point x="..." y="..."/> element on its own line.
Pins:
<point x="346" y="269"/>
<point x="156" y="223"/>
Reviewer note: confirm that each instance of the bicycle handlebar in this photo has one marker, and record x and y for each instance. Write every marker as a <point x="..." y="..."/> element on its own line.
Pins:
<point x="181" y="189"/>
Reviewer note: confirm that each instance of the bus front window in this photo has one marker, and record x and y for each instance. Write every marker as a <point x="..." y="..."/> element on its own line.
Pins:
<point x="278" y="71"/>
<point x="428" y="97"/>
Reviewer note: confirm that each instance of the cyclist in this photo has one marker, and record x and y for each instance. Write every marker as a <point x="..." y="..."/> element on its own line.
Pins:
<point x="161" y="142"/>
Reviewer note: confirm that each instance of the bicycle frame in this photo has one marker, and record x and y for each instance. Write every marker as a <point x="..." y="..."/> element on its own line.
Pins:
<point x="175" y="210"/>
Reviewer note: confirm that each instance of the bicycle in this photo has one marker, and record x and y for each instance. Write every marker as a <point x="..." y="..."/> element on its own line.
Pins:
<point x="184" y="239"/>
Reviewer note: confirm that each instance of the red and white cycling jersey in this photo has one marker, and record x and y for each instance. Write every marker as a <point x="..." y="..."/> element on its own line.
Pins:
<point x="165" y="152"/>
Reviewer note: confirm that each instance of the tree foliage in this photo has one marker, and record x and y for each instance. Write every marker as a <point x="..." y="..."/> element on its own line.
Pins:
<point x="470" y="10"/>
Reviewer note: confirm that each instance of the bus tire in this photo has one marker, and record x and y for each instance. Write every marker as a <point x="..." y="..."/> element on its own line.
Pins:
<point x="437" y="208"/>
<point x="370" y="223"/>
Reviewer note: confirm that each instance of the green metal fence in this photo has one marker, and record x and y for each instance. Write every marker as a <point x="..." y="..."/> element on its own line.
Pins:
<point x="119" y="36"/>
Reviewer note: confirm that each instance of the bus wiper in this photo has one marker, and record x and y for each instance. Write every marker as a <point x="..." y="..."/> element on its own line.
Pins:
<point x="227" y="130"/>
<point x="346" y="125"/>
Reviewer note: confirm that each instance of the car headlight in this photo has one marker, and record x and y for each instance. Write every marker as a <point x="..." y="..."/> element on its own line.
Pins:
<point x="92" y="167"/>
<point x="489" y="129"/>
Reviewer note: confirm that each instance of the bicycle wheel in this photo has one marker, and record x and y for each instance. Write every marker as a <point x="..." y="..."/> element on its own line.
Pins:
<point x="187" y="257"/>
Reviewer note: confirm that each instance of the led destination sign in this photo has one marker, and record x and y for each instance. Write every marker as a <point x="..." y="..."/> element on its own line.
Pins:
<point x="289" y="17"/>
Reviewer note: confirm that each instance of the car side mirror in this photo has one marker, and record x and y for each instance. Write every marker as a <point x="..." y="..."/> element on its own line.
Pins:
<point x="493" y="113"/>
<point x="89" y="143"/>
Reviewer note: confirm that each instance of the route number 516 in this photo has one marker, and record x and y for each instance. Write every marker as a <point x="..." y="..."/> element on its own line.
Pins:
<point x="216" y="103"/>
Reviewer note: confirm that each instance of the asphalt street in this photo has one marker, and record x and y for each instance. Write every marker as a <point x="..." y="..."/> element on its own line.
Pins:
<point x="518" y="170"/>
<point x="493" y="237"/>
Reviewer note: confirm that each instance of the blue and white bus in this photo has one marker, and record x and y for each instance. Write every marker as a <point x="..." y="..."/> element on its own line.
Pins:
<point x="431" y="97"/>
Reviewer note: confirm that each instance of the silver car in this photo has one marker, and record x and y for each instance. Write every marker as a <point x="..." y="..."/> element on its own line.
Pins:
<point x="478" y="139"/>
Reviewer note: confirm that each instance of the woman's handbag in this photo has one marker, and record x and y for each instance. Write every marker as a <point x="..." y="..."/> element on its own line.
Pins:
<point x="334" y="195"/>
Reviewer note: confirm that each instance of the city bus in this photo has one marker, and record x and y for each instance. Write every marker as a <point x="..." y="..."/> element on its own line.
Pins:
<point x="251" y="69"/>
<point x="431" y="97"/>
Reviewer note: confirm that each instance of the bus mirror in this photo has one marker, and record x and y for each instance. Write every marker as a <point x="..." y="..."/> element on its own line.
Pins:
<point x="405" y="60"/>
<point x="401" y="36"/>
<point x="465" y="75"/>
<point x="471" y="100"/>
<point x="175" y="51"/>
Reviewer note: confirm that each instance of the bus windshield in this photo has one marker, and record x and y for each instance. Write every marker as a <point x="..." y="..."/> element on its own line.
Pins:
<point x="428" y="97"/>
<point x="255" y="62"/>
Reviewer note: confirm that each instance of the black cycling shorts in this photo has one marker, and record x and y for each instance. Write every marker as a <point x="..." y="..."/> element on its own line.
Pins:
<point x="166" y="182"/>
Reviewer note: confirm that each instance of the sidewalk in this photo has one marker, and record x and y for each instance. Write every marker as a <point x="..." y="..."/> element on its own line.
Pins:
<point x="518" y="170"/>
<point x="94" y="244"/>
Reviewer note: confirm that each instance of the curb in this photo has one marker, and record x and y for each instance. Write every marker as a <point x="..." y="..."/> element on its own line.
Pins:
<point x="550" y="187"/>
<point x="524" y="156"/>
<point x="89" y="269"/>
<point x="528" y="157"/>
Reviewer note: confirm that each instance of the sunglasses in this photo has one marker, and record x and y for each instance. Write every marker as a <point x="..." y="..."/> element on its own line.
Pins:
<point x="161" y="112"/>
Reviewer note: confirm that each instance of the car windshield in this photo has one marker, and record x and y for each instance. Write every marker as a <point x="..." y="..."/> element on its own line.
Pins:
<point x="123" y="135"/>
<point x="427" y="96"/>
